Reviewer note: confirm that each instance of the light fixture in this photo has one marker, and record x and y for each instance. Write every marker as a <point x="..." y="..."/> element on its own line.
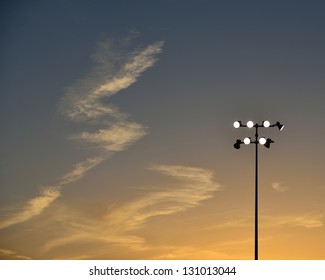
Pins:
<point x="250" y="124"/>
<point x="268" y="143"/>
<point x="262" y="140"/>
<point x="237" y="124"/>
<point x="280" y="126"/>
<point x="237" y="144"/>
<point x="247" y="140"/>
<point x="266" y="124"/>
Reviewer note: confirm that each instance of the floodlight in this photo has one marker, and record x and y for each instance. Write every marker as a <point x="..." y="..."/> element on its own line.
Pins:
<point x="237" y="144"/>
<point x="268" y="143"/>
<point x="262" y="141"/>
<point x="280" y="126"/>
<point x="237" y="124"/>
<point x="266" y="124"/>
<point x="250" y="124"/>
<point x="247" y="140"/>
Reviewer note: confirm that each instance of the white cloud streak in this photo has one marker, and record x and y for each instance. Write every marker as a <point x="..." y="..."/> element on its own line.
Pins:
<point x="33" y="207"/>
<point x="115" y="138"/>
<point x="309" y="220"/>
<point x="304" y="220"/>
<point x="81" y="169"/>
<point x="196" y="185"/>
<point x="278" y="187"/>
<point x="87" y="105"/>
<point x="13" y="255"/>
<point x="83" y="102"/>
<point x="193" y="186"/>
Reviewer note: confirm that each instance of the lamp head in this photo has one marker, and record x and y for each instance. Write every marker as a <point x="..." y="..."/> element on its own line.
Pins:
<point x="268" y="143"/>
<point x="237" y="124"/>
<point x="247" y="141"/>
<point x="266" y="124"/>
<point x="237" y="144"/>
<point x="280" y="126"/>
<point x="250" y="124"/>
<point x="262" y="141"/>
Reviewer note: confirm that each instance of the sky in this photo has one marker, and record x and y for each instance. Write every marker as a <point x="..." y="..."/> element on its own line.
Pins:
<point x="117" y="129"/>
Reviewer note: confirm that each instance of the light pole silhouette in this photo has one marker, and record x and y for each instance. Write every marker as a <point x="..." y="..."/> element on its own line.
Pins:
<point x="265" y="142"/>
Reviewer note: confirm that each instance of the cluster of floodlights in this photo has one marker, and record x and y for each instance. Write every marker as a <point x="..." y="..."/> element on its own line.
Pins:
<point x="263" y="141"/>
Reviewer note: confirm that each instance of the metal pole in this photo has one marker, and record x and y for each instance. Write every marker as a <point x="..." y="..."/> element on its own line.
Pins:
<point x="256" y="193"/>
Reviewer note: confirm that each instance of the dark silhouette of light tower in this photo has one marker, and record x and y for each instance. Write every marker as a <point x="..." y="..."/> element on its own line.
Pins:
<point x="266" y="143"/>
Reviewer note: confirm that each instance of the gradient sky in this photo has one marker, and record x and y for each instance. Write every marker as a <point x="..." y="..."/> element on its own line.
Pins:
<point x="117" y="136"/>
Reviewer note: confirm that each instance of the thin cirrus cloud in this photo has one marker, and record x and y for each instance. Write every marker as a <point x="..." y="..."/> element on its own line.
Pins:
<point x="192" y="186"/>
<point x="83" y="102"/>
<point x="47" y="195"/>
<point x="33" y="207"/>
<point x="278" y="187"/>
<point x="10" y="254"/>
<point x="116" y="137"/>
<point x="80" y="169"/>
<point x="196" y="185"/>
<point x="304" y="220"/>
<point x="309" y="220"/>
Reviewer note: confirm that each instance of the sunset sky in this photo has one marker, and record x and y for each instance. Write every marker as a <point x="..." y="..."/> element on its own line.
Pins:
<point x="117" y="129"/>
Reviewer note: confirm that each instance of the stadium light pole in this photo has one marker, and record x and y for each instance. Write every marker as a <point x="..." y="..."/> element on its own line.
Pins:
<point x="265" y="142"/>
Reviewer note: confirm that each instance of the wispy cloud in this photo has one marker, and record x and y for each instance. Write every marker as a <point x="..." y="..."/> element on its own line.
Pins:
<point x="113" y="72"/>
<point x="310" y="220"/>
<point x="196" y="185"/>
<point x="83" y="101"/>
<point x="245" y="220"/>
<point x="192" y="186"/>
<point x="10" y="254"/>
<point x="214" y="252"/>
<point x="81" y="169"/>
<point x="278" y="187"/>
<point x="116" y="137"/>
<point x="33" y="207"/>
<point x="231" y="249"/>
